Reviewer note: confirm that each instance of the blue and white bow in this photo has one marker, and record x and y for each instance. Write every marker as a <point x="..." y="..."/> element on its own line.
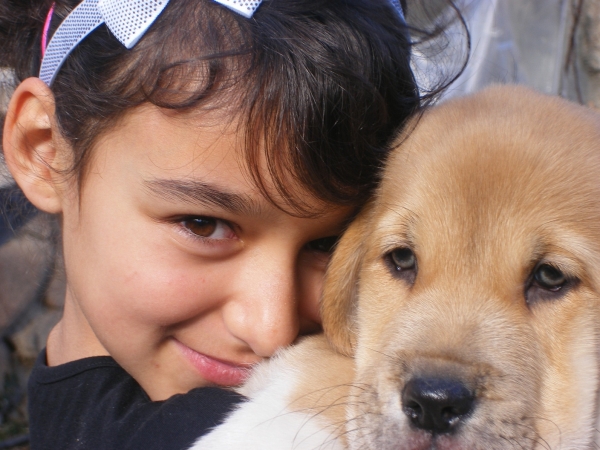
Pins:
<point x="127" y="20"/>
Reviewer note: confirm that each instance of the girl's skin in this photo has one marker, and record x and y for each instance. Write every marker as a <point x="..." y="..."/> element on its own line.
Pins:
<point x="177" y="266"/>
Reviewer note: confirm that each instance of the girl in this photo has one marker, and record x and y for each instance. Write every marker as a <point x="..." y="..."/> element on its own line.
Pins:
<point x="201" y="166"/>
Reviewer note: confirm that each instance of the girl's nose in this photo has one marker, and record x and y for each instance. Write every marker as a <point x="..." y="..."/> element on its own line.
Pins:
<point x="263" y="312"/>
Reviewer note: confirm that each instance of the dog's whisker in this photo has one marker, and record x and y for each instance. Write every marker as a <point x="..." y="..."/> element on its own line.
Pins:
<point x="324" y="391"/>
<point x="536" y="439"/>
<point x="380" y="352"/>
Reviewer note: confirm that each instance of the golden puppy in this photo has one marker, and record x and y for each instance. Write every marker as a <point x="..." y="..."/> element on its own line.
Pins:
<point x="469" y="292"/>
<point x="466" y="297"/>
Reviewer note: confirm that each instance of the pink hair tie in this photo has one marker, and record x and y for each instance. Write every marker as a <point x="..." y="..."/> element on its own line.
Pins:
<point x="46" y="28"/>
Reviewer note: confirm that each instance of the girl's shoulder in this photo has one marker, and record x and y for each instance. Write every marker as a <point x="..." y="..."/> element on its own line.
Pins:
<point x="94" y="403"/>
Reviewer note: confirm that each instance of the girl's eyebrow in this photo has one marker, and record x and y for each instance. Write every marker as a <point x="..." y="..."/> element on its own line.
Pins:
<point x="199" y="192"/>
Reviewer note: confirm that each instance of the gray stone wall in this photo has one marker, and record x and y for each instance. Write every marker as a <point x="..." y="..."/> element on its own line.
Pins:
<point x="31" y="297"/>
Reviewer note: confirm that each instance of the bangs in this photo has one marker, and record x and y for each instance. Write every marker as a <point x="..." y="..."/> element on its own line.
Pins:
<point x="321" y="87"/>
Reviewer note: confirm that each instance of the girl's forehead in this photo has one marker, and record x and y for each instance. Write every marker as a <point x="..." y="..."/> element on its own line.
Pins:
<point x="193" y="152"/>
<point x="178" y="143"/>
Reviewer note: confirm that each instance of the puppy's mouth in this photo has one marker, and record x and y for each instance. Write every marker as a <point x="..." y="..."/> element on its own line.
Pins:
<point x="440" y="401"/>
<point x="427" y="441"/>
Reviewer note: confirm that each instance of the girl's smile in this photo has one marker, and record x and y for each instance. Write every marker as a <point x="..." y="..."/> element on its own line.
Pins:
<point x="216" y="371"/>
<point x="177" y="266"/>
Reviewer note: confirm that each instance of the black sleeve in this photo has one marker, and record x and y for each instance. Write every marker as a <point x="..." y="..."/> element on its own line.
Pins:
<point x="94" y="404"/>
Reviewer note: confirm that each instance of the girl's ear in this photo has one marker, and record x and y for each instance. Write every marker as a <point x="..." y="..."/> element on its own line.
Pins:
<point x="30" y="140"/>
<point x="340" y="293"/>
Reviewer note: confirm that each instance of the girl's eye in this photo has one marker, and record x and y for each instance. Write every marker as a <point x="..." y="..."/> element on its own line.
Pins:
<point x="323" y="245"/>
<point x="208" y="227"/>
<point x="549" y="277"/>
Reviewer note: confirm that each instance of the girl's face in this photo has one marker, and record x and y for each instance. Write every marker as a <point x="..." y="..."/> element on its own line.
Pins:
<point x="177" y="266"/>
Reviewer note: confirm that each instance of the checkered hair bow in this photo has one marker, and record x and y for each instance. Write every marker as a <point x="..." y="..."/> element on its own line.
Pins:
<point x="128" y="21"/>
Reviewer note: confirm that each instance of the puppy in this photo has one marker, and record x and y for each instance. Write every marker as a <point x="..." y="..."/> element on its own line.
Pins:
<point x="463" y="304"/>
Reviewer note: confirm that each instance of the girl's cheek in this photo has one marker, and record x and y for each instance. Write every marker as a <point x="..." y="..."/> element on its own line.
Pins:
<point x="169" y="290"/>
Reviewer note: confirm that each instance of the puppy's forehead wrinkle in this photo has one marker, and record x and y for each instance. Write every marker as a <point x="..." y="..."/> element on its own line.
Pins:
<point x="396" y="222"/>
<point x="480" y="177"/>
<point x="403" y="212"/>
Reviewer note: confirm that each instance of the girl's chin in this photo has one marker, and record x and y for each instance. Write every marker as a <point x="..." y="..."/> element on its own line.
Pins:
<point x="215" y="371"/>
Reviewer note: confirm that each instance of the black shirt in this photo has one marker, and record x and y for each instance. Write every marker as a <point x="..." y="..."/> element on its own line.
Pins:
<point x="94" y="404"/>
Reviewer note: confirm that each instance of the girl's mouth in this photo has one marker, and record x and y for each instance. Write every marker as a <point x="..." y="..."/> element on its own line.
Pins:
<point x="214" y="370"/>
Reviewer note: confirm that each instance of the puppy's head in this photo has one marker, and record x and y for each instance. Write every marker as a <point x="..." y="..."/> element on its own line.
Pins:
<point x="468" y="291"/>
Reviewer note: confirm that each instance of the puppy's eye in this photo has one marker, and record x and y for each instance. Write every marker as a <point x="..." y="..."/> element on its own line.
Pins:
<point x="403" y="263"/>
<point x="403" y="259"/>
<point x="547" y="282"/>
<point x="549" y="277"/>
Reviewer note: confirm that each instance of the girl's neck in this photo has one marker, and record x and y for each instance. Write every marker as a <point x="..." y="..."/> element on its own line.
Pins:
<point x="72" y="338"/>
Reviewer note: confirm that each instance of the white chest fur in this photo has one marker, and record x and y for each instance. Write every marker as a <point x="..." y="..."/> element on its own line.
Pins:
<point x="278" y="415"/>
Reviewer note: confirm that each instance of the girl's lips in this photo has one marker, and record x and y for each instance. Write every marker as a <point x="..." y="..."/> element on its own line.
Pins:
<point x="214" y="370"/>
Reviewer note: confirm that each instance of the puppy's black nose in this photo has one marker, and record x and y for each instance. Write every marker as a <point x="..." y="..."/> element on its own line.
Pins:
<point x="437" y="405"/>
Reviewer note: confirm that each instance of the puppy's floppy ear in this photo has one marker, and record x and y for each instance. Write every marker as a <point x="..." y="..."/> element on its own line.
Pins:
<point x="340" y="299"/>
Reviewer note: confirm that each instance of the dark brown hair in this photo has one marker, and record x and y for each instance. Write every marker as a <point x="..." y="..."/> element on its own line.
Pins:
<point x="323" y="85"/>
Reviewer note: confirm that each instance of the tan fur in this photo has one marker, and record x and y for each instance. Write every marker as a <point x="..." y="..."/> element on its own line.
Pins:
<point x="341" y="288"/>
<point x="482" y="190"/>
<point x="323" y="391"/>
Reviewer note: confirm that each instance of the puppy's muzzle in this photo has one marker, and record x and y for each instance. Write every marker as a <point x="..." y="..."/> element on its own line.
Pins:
<point x="437" y="405"/>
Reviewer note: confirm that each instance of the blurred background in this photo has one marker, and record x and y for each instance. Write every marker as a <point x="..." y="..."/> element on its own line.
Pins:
<point x="550" y="45"/>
